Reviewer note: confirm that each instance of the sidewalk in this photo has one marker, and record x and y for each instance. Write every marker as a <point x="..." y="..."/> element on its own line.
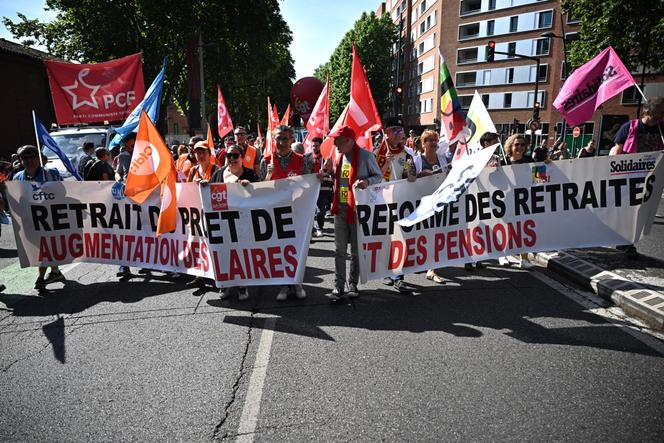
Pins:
<point x="636" y="285"/>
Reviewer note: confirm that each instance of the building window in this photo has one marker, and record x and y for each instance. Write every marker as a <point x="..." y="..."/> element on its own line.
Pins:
<point x="492" y="5"/>
<point x="485" y="100"/>
<point x="562" y="71"/>
<point x="514" y="23"/>
<point x="489" y="27"/>
<point x="470" y="7"/>
<point x="465" y="101"/>
<point x="543" y="72"/>
<point x="468" y="55"/>
<point x="509" y="77"/>
<point x="507" y="100"/>
<point x="176" y="129"/>
<point x="545" y="19"/>
<point x="630" y="96"/>
<point x="542" y="46"/>
<point x="466" y="79"/>
<point x="511" y="49"/>
<point x="471" y="30"/>
<point x="422" y="28"/>
<point x="572" y="20"/>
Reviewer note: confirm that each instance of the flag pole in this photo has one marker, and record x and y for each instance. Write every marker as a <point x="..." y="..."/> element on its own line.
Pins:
<point x="34" y="122"/>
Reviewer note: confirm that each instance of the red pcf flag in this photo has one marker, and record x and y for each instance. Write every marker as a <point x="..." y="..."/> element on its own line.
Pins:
<point x="362" y="113"/>
<point x="95" y="92"/>
<point x="224" y="123"/>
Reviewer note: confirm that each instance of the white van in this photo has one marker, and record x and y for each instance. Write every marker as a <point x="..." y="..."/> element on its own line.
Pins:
<point x="71" y="142"/>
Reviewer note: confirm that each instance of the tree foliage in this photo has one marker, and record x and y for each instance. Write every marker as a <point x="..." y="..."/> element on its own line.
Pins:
<point x="635" y="29"/>
<point x="373" y="38"/>
<point x="245" y="45"/>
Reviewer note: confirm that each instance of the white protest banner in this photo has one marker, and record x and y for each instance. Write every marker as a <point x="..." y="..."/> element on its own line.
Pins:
<point x="598" y="201"/>
<point x="253" y="235"/>
<point x="460" y="177"/>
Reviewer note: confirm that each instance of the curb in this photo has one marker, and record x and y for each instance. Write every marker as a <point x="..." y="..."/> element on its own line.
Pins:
<point x="635" y="299"/>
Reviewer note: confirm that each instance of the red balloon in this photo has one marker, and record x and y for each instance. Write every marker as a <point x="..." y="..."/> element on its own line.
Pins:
<point x="304" y="95"/>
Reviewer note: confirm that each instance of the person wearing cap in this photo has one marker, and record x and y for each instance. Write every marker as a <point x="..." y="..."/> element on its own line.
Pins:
<point x="251" y="157"/>
<point x="234" y="172"/>
<point x="396" y="164"/>
<point x="352" y="168"/>
<point x="204" y="168"/>
<point x="34" y="172"/>
<point x="285" y="163"/>
<point x="100" y="169"/>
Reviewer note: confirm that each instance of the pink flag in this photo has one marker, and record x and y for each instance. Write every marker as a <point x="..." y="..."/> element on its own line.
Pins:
<point x="318" y="124"/>
<point x="591" y="85"/>
<point x="224" y="123"/>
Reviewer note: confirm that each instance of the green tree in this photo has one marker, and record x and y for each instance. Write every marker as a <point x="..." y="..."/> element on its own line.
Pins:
<point x="373" y="38"/>
<point x="246" y="45"/>
<point x="635" y="29"/>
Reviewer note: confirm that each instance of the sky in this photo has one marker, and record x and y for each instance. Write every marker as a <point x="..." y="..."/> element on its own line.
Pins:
<point x="317" y="25"/>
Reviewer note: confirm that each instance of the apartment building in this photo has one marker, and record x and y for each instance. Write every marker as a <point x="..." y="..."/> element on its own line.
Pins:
<point x="460" y="30"/>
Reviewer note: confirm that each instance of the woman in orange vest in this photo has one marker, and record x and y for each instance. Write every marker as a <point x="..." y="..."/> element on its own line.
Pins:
<point x="205" y="168"/>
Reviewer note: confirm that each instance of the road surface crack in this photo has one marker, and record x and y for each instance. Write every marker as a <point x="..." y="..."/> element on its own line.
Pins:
<point x="236" y="384"/>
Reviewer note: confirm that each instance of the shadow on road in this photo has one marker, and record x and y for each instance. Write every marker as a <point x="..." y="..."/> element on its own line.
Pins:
<point x="462" y="311"/>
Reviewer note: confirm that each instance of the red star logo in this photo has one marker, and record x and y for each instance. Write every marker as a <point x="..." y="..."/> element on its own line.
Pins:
<point x="83" y="90"/>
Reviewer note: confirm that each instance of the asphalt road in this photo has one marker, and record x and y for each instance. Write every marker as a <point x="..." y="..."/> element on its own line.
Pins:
<point x="653" y="244"/>
<point x="497" y="354"/>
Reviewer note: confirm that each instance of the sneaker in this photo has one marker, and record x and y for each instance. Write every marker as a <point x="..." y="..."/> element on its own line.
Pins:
<point x="198" y="281"/>
<point x="526" y="264"/>
<point x="224" y="293"/>
<point x="503" y="261"/>
<point x="283" y="293"/>
<point x="300" y="292"/>
<point x="242" y="294"/>
<point x="336" y="294"/>
<point x="352" y="290"/>
<point x="402" y="286"/>
<point x="54" y="276"/>
<point x="144" y="271"/>
<point x="480" y="265"/>
<point x="388" y="281"/>
<point x="40" y="284"/>
<point x="468" y="267"/>
<point x="123" y="271"/>
<point x="631" y="252"/>
<point x="318" y="233"/>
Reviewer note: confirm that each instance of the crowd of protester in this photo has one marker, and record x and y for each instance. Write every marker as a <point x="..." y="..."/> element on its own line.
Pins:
<point x="239" y="159"/>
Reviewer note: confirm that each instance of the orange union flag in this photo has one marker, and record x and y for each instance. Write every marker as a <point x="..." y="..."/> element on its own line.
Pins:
<point x="150" y="162"/>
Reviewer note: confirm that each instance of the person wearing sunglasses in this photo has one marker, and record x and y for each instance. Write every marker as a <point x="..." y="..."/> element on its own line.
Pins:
<point x="284" y="163"/>
<point x="34" y="172"/>
<point x="516" y="147"/>
<point x="234" y="172"/>
<point x="251" y="157"/>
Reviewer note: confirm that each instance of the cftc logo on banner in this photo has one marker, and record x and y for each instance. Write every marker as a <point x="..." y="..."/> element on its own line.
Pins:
<point x="219" y="196"/>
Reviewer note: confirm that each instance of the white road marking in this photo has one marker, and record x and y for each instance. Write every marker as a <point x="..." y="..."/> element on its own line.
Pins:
<point x="252" y="402"/>
<point x="613" y="315"/>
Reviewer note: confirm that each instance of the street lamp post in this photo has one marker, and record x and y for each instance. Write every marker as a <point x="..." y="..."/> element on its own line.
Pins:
<point x="551" y="34"/>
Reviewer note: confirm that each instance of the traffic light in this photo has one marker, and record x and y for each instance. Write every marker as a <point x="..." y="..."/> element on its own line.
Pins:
<point x="490" y="50"/>
<point x="536" y="110"/>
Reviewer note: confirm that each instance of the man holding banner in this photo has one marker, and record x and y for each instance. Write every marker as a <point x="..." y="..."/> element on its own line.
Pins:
<point x="353" y="167"/>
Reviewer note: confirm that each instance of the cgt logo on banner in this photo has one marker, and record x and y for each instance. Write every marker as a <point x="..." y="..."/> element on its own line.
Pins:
<point x="506" y="211"/>
<point x="219" y="196"/>
<point x="263" y="240"/>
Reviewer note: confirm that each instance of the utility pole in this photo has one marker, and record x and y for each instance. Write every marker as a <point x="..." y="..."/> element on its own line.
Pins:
<point x="202" y="80"/>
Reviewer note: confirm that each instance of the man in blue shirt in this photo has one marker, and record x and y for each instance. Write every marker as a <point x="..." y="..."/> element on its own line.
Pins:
<point x="34" y="172"/>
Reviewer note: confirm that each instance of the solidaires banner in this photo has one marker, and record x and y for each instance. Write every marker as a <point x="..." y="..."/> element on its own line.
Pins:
<point x="253" y="235"/>
<point x="597" y="201"/>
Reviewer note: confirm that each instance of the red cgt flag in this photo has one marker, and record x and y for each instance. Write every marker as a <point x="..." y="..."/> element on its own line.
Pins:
<point x="224" y="123"/>
<point x="88" y="93"/>
<point x="362" y="114"/>
<point x="287" y="115"/>
<point x="318" y="124"/>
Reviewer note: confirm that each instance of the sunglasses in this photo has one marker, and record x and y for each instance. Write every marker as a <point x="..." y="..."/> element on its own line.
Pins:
<point x="233" y="155"/>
